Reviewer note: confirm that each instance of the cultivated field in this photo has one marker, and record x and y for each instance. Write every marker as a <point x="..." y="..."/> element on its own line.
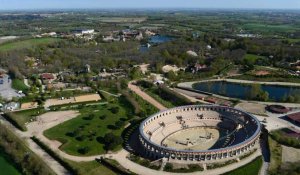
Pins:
<point x="122" y="19"/>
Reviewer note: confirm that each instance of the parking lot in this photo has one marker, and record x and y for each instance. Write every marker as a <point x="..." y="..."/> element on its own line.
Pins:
<point x="6" y="91"/>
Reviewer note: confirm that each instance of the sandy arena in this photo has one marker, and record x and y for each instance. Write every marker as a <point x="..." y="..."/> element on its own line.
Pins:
<point x="197" y="138"/>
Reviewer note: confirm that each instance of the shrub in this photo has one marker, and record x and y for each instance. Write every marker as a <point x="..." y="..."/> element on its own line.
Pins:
<point x="114" y="110"/>
<point x="83" y="150"/>
<point x="168" y="167"/>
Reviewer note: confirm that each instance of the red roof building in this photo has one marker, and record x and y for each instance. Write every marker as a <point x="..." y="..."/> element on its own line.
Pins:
<point x="47" y="76"/>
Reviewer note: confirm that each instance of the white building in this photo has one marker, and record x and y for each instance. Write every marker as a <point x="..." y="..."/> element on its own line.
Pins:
<point x="192" y="53"/>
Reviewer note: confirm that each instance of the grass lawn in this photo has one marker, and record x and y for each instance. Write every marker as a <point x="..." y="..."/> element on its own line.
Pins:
<point x="28" y="43"/>
<point x="87" y="130"/>
<point x="6" y="166"/>
<point x="19" y="85"/>
<point x="251" y="168"/>
<point x="91" y="168"/>
<point x="251" y="58"/>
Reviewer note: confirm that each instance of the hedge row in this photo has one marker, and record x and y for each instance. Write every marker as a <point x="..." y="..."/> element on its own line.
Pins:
<point x="10" y="117"/>
<point x="55" y="156"/>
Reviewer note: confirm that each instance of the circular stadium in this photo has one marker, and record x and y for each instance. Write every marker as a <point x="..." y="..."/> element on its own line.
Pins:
<point x="199" y="133"/>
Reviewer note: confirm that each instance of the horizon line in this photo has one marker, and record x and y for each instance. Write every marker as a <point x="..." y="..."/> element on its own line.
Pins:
<point x="145" y="8"/>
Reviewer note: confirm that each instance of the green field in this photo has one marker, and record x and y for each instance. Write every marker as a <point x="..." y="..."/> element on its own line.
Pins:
<point x="28" y="43"/>
<point x="250" y="58"/>
<point x="87" y="130"/>
<point x="6" y="167"/>
<point x="270" y="28"/>
<point x="251" y="168"/>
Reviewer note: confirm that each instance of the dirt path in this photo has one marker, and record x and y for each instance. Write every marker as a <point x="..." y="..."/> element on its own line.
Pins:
<point x="53" y="164"/>
<point x="145" y="96"/>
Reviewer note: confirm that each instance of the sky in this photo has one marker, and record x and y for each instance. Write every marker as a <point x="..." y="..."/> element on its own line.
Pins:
<point x="75" y="4"/>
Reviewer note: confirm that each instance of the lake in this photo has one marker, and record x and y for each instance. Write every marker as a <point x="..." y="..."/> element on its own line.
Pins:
<point x="6" y="167"/>
<point x="242" y="91"/>
<point x="154" y="40"/>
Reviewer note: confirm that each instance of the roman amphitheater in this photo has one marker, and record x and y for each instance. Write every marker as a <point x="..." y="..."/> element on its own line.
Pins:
<point x="199" y="133"/>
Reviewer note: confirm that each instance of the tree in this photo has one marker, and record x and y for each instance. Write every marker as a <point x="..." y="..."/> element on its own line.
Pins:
<point x="111" y="141"/>
<point x="255" y="91"/>
<point x="171" y="75"/>
<point x="136" y="73"/>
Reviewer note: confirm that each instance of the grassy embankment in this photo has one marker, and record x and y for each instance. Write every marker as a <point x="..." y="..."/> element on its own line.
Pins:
<point x="251" y="168"/>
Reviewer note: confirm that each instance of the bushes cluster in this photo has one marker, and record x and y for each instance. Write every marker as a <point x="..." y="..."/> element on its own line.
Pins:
<point x="110" y="141"/>
<point x="283" y="139"/>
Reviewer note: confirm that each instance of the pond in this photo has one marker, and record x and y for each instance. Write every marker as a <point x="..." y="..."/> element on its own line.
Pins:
<point x="154" y="40"/>
<point x="243" y="91"/>
<point x="7" y="167"/>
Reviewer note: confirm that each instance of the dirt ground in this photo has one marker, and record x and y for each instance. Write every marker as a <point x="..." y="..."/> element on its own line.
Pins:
<point x="49" y="120"/>
<point x="290" y="154"/>
<point x="29" y="105"/>
<point x="82" y="98"/>
<point x="253" y="108"/>
<point x="262" y="72"/>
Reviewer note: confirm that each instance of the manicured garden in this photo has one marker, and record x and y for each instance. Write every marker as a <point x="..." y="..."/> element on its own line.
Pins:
<point x="95" y="131"/>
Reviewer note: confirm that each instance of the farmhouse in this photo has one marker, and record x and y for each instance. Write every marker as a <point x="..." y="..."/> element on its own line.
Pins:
<point x="47" y="78"/>
<point x="83" y="31"/>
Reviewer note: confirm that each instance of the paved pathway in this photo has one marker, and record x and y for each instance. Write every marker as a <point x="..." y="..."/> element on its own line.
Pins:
<point x="138" y="169"/>
<point x="145" y="96"/>
<point x="114" y="95"/>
